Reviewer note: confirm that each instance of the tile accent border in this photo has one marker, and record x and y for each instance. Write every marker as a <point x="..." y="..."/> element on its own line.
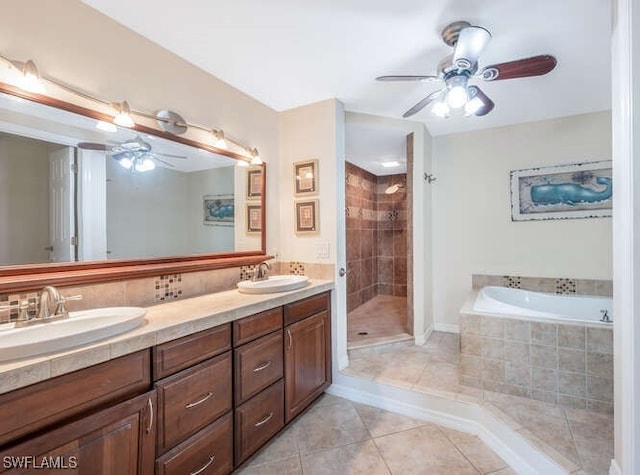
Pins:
<point x="556" y="285"/>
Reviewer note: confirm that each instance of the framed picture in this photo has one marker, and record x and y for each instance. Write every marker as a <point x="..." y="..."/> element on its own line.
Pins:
<point x="219" y="210"/>
<point x="254" y="184"/>
<point x="578" y="190"/>
<point x="254" y="219"/>
<point x="305" y="177"/>
<point x="306" y="214"/>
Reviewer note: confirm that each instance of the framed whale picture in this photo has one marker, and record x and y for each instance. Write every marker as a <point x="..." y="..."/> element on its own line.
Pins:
<point x="576" y="190"/>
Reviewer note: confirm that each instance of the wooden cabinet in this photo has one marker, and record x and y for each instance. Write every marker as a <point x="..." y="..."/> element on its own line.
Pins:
<point x="209" y="452"/>
<point x="307" y="355"/>
<point x="220" y="394"/>
<point x="195" y="400"/>
<point x="119" y="440"/>
<point x="191" y="399"/>
<point x="257" y="420"/>
<point x="60" y="399"/>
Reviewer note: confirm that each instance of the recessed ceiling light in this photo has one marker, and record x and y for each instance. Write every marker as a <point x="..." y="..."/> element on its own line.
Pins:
<point x="390" y="164"/>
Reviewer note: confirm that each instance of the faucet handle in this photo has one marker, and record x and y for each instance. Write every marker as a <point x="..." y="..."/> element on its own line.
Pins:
<point x="61" y="309"/>
<point x="23" y="307"/>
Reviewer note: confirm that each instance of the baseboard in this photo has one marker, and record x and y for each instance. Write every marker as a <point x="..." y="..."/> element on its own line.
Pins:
<point x="614" y="468"/>
<point x="446" y="327"/>
<point x="422" y="339"/>
<point x="459" y="415"/>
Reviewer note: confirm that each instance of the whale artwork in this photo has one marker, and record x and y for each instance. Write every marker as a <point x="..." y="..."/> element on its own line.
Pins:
<point x="571" y="193"/>
<point x="579" y="190"/>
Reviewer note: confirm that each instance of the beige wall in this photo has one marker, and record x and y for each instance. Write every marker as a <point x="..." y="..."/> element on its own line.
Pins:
<point x="472" y="228"/>
<point x="310" y="132"/>
<point x="76" y="44"/>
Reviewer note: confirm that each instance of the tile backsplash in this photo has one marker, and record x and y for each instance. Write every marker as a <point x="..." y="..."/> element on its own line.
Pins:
<point x="160" y="289"/>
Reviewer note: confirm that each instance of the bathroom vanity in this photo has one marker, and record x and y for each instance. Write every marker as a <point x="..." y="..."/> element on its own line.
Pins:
<point x="202" y="402"/>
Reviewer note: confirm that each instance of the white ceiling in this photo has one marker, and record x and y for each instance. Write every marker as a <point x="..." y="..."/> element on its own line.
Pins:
<point x="286" y="53"/>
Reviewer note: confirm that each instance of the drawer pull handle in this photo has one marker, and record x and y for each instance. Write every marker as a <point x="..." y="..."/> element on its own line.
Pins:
<point x="197" y="403"/>
<point x="264" y="365"/>
<point x="290" y="339"/>
<point x="150" y="405"/>
<point x="265" y="420"/>
<point x="204" y="467"/>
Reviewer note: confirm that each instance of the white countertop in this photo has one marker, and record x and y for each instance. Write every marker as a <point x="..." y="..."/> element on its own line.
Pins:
<point x="163" y="322"/>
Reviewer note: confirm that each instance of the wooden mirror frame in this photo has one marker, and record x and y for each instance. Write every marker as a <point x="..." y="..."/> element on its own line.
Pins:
<point x="29" y="277"/>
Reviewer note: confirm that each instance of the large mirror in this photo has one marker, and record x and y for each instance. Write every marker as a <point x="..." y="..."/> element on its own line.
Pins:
<point x="74" y="189"/>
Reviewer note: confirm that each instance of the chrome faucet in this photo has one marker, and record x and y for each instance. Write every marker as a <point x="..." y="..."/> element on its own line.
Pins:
<point x="605" y="316"/>
<point x="48" y="294"/>
<point x="261" y="272"/>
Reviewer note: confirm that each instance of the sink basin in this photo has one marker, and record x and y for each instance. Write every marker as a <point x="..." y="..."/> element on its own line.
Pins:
<point x="79" y="329"/>
<point x="276" y="283"/>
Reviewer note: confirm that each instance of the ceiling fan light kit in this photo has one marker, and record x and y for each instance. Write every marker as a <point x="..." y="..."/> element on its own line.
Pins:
<point x="456" y="70"/>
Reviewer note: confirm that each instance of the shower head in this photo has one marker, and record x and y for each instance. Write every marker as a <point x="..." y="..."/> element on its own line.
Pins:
<point x="393" y="188"/>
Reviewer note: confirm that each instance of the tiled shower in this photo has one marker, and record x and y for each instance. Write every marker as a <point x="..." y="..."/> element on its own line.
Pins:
<point x="376" y="236"/>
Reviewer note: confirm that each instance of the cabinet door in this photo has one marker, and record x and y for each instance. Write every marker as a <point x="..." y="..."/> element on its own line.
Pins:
<point x="307" y="362"/>
<point x="116" y="441"/>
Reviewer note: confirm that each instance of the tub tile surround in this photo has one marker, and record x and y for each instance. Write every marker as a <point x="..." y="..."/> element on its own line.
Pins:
<point x="556" y="285"/>
<point x="570" y="365"/>
<point x="164" y="322"/>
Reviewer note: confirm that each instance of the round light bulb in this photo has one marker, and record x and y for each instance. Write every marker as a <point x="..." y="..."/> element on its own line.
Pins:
<point x="440" y="109"/>
<point x="457" y="96"/>
<point x="125" y="163"/>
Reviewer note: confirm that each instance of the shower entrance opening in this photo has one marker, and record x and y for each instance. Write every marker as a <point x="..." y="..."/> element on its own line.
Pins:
<point x="378" y="252"/>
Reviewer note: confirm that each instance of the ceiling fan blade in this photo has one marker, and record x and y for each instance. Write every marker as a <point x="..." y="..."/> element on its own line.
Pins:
<point x="154" y="156"/>
<point x="422" y="104"/>
<point x="93" y="146"/>
<point x="408" y="78"/>
<point x="479" y="103"/>
<point x="472" y="41"/>
<point x="170" y="155"/>
<point x="521" y="68"/>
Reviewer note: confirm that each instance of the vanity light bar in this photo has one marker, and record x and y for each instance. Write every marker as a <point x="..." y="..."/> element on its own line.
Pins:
<point x="30" y="80"/>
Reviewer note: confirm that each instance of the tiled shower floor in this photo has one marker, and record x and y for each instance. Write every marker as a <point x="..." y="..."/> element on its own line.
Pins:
<point x="381" y="319"/>
<point x="578" y="440"/>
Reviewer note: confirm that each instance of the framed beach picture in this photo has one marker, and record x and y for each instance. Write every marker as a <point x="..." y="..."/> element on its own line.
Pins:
<point x="577" y="190"/>
<point x="219" y="210"/>
<point x="254" y="184"/>
<point x="254" y="219"/>
<point x="305" y="177"/>
<point x="306" y="216"/>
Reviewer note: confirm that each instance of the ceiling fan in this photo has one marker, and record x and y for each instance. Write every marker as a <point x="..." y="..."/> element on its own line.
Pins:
<point x="133" y="154"/>
<point x="456" y="70"/>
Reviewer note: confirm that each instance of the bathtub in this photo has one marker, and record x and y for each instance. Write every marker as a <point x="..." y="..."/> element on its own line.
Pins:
<point x="542" y="306"/>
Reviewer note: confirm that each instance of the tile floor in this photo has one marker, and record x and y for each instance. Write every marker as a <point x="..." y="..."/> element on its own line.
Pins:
<point x="578" y="440"/>
<point x="340" y="437"/>
<point x="382" y="319"/>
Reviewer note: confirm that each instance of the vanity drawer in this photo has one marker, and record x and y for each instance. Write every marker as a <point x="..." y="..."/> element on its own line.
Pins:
<point x="173" y="356"/>
<point x="297" y="311"/>
<point x="191" y="399"/>
<point x="257" y="365"/>
<point x="257" y="420"/>
<point x="209" y="452"/>
<point x="257" y="325"/>
<point x="40" y="405"/>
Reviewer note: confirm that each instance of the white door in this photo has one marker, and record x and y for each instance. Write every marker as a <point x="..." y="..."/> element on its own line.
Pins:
<point x="61" y="205"/>
<point x="92" y="205"/>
